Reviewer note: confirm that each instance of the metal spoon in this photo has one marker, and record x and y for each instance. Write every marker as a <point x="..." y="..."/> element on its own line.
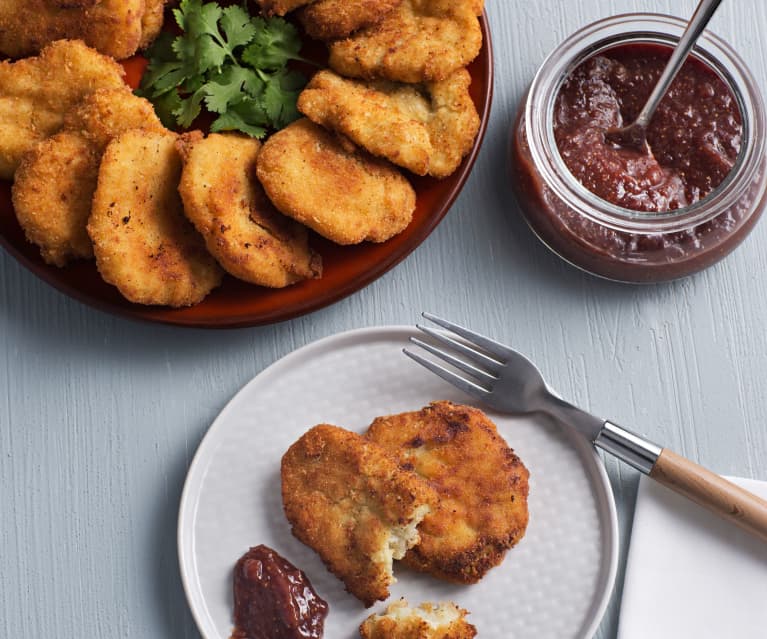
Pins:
<point x="635" y="134"/>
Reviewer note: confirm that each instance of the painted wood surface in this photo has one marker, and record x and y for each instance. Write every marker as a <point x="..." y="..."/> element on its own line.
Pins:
<point x="99" y="416"/>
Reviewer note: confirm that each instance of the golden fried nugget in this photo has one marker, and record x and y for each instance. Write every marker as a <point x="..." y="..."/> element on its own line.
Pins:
<point x="224" y="200"/>
<point x="54" y="185"/>
<point x="427" y="129"/>
<point x="281" y="7"/>
<point x="477" y="6"/>
<point x="106" y="113"/>
<point x="151" y="22"/>
<point x="113" y="27"/>
<point x="482" y="486"/>
<point x="52" y="194"/>
<point x="419" y="41"/>
<point x="344" y="196"/>
<point x="36" y="93"/>
<point x="333" y="19"/>
<point x="143" y="243"/>
<point x="348" y="500"/>
<point x="427" y="621"/>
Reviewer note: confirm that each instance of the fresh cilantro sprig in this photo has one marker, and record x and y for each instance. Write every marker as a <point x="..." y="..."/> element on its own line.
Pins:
<point x="229" y="63"/>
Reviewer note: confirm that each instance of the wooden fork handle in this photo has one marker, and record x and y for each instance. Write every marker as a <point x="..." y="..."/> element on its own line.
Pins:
<point x="712" y="492"/>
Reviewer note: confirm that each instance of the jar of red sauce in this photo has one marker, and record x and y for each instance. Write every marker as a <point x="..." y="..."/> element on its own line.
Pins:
<point x="624" y="218"/>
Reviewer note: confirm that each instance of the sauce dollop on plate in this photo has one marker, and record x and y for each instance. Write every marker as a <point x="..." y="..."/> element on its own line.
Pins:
<point x="274" y="600"/>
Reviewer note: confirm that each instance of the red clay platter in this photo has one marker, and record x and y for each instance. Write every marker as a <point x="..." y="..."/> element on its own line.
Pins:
<point x="347" y="269"/>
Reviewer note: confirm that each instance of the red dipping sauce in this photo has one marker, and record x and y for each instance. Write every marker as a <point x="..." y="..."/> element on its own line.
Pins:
<point x="694" y="136"/>
<point x="620" y="213"/>
<point x="274" y="600"/>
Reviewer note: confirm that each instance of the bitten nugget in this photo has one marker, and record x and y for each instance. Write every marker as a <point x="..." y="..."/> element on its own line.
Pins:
<point x="333" y="19"/>
<point x="242" y="229"/>
<point x="113" y="27"/>
<point x="482" y="486"/>
<point x="427" y="129"/>
<point x="54" y="185"/>
<point x="36" y="93"/>
<point x="344" y="196"/>
<point x="347" y="499"/>
<point x="419" y="41"/>
<point x="427" y="621"/>
<point x="143" y="243"/>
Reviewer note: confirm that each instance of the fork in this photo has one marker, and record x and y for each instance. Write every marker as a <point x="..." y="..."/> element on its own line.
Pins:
<point x="508" y="382"/>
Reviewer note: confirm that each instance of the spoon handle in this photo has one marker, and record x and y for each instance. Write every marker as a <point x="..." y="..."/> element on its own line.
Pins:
<point x="697" y="24"/>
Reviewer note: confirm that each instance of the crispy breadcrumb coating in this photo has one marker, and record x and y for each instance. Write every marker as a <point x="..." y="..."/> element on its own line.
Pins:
<point x="52" y="195"/>
<point x="347" y="499"/>
<point x="54" y="185"/>
<point x="281" y="7"/>
<point x="427" y="129"/>
<point x="482" y="486"/>
<point x="36" y="93"/>
<point x="112" y="27"/>
<point x="334" y="19"/>
<point x="419" y="41"/>
<point x="344" y="196"/>
<point x="224" y="200"/>
<point x="143" y="243"/>
<point x="427" y="621"/>
<point x="151" y="21"/>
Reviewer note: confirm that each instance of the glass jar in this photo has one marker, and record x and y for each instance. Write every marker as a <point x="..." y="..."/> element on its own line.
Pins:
<point x="618" y="243"/>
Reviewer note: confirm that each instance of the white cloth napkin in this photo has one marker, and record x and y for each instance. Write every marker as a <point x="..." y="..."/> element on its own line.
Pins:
<point x="690" y="574"/>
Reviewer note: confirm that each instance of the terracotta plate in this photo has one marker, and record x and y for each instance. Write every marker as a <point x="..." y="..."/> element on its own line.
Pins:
<point x="237" y="304"/>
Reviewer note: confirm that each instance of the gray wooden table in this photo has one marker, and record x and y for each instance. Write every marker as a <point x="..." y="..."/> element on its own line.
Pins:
<point x="99" y="416"/>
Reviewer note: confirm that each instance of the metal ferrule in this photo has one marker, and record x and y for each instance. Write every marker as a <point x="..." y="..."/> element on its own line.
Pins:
<point x="628" y="447"/>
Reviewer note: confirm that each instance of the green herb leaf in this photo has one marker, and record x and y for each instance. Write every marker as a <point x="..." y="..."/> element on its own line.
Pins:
<point x="247" y="117"/>
<point x="227" y="88"/>
<point x="275" y="43"/>
<point x="203" y="20"/>
<point x="228" y="62"/>
<point x="237" y="27"/>
<point x="165" y="105"/>
<point x="188" y="109"/>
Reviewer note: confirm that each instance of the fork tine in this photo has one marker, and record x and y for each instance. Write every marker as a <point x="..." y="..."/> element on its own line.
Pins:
<point x="467" y="386"/>
<point x="482" y="376"/>
<point x="492" y="365"/>
<point x="491" y="346"/>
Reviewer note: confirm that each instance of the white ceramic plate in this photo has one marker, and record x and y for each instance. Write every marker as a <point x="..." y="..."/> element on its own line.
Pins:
<point x="555" y="584"/>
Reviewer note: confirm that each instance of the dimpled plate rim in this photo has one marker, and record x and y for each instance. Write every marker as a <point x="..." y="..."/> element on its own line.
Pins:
<point x="398" y="336"/>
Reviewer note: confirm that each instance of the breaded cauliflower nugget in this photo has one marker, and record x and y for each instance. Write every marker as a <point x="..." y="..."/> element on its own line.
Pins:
<point x="348" y="500"/>
<point x="482" y="486"/>
<point x="143" y="243"/>
<point x="344" y="196"/>
<point x="113" y="27"/>
<point x="281" y="7"/>
<point x="334" y="19"/>
<point x="105" y="114"/>
<point x="151" y="22"/>
<point x="52" y="195"/>
<point x="36" y="93"/>
<point x="427" y="621"/>
<point x="419" y="41"/>
<point x="427" y="129"/>
<point x="224" y="200"/>
<point x="54" y="185"/>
